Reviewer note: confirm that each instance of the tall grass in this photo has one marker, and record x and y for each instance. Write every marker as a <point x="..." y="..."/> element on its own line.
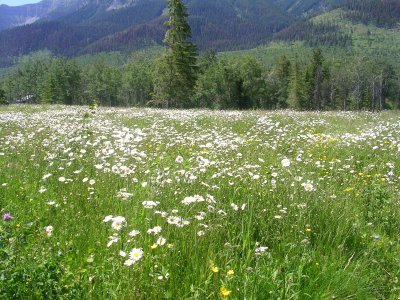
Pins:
<point x="250" y="205"/>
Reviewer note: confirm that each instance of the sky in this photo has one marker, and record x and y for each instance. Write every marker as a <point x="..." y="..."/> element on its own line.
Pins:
<point x="18" y="2"/>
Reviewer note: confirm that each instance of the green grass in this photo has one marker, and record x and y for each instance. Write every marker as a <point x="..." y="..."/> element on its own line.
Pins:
<point x="337" y="241"/>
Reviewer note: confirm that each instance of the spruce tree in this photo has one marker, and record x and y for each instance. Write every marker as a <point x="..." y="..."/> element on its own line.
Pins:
<point x="297" y="89"/>
<point x="314" y="79"/>
<point x="175" y="73"/>
<point x="2" y="96"/>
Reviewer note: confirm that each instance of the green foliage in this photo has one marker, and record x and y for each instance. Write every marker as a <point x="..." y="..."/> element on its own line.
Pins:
<point x="297" y="96"/>
<point x="61" y="83"/>
<point x="104" y="83"/>
<point x="314" y="81"/>
<point x="278" y="82"/>
<point x="226" y="85"/>
<point x="137" y="84"/>
<point x="32" y="270"/>
<point x="3" y="97"/>
<point x="175" y="72"/>
<point x="314" y="77"/>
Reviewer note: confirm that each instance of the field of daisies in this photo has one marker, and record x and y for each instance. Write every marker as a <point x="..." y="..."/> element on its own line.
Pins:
<point x="156" y="204"/>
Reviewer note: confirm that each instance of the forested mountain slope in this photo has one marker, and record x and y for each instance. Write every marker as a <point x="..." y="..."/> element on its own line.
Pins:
<point x="73" y="28"/>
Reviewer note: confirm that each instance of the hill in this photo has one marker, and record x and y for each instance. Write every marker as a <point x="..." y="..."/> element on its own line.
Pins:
<point x="82" y="27"/>
<point x="76" y="28"/>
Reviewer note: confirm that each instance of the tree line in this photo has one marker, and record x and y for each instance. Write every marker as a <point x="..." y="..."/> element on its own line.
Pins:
<point x="217" y="82"/>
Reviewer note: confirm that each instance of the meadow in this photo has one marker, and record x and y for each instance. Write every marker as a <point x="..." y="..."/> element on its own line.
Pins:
<point x="109" y="203"/>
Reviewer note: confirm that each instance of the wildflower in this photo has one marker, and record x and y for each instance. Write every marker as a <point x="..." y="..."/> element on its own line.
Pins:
<point x="150" y="204"/>
<point x="155" y="230"/>
<point x="192" y="199"/>
<point x="215" y="269"/>
<point x="179" y="159"/>
<point x="136" y="254"/>
<point x="7" y="217"/>
<point x="113" y="239"/>
<point x="134" y="233"/>
<point x="129" y="262"/>
<point x="298" y="178"/>
<point x="122" y="253"/>
<point x="181" y="222"/>
<point x="210" y="199"/>
<point x="261" y="250"/>
<point x="172" y="219"/>
<point x="49" y="230"/>
<point x="230" y="273"/>
<point x="107" y="219"/>
<point x="200" y="216"/>
<point x="308" y="186"/>
<point x="124" y="195"/>
<point x="188" y="200"/>
<point x="46" y="176"/>
<point x="222" y="213"/>
<point x="178" y="221"/>
<point x="224" y="292"/>
<point x="61" y="179"/>
<point x="200" y="233"/>
<point x="285" y="162"/>
<point x="118" y="222"/>
<point x="161" y="241"/>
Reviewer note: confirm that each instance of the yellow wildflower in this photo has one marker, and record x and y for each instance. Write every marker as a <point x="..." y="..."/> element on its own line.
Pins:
<point x="224" y="292"/>
<point x="215" y="269"/>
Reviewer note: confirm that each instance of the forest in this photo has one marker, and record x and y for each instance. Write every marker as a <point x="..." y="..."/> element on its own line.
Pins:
<point x="312" y="83"/>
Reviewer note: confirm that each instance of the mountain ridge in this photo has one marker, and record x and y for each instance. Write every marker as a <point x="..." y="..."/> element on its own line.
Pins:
<point x="72" y="27"/>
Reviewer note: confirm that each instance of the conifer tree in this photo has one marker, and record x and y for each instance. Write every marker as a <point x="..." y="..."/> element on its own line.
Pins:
<point x="2" y="96"/>
<point x="314" y="78"/>
<point x="297" y="89"/>
<point x="175" y="73"/>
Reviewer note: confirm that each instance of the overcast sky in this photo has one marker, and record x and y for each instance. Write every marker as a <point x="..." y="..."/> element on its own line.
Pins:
<point x="18" y="2"/>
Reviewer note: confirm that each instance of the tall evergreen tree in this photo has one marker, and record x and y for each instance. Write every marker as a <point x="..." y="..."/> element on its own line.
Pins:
<point x="61" y="84"/>
<point x="314" y="79"/>
<point x="297" y="88"/>
<point x="175" y="75"/>
<point x="282" y="73"/>
<point x="2" y="96"/>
